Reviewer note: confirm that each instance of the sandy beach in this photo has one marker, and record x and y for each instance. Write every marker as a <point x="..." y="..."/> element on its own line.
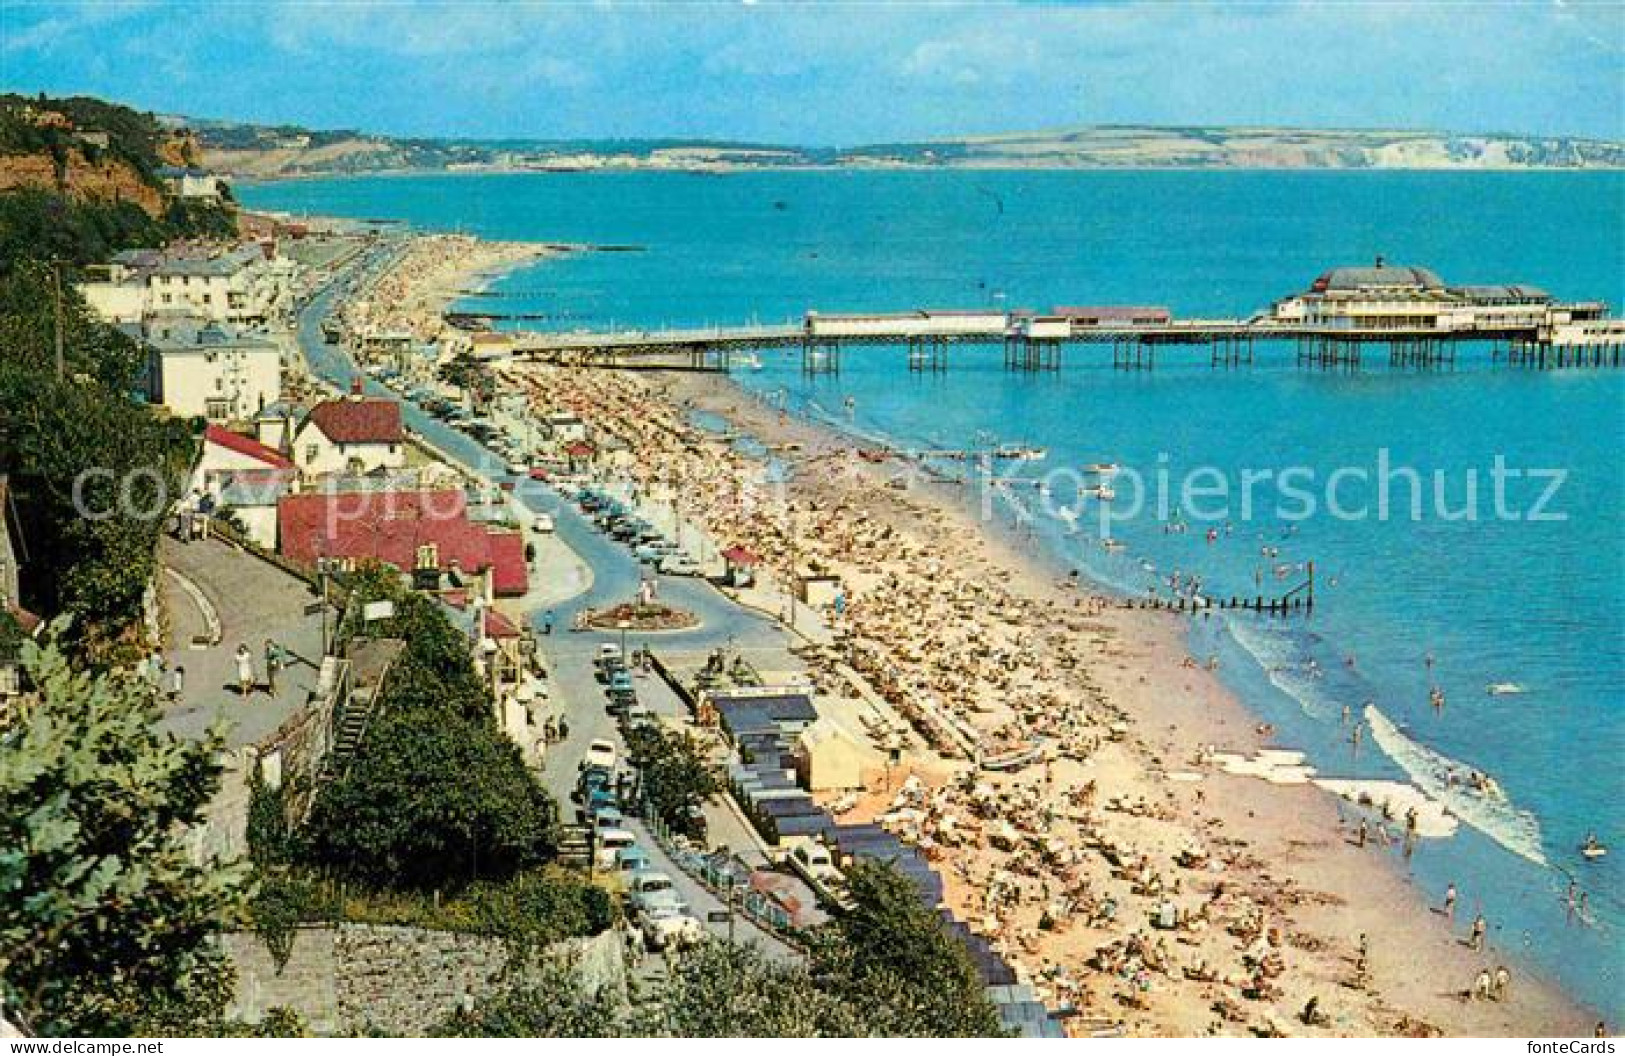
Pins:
<point x="1115" y="863"/>
<point x="435" y="270"/>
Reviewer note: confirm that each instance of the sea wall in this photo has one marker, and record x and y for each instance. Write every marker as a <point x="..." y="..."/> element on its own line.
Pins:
<point x="398" y="980"/>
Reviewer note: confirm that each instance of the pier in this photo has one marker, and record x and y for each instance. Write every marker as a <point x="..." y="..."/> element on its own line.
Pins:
<point x="1347" y="316"/>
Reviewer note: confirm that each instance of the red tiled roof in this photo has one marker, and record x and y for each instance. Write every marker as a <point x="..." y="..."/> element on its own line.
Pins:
<point x="363" y="421"/>
<point x="499" y="626"/>
<point x="738" y="555"/>
<point x="243" y="445"/>
<point x="579" y="449"/>
<point x="390" y="526"/>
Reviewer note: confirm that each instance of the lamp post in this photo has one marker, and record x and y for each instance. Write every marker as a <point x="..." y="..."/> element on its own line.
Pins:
<point x="624" y="626"/>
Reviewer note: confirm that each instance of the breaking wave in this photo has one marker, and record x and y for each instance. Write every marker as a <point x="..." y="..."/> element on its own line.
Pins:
<point x="1490" y="813"/>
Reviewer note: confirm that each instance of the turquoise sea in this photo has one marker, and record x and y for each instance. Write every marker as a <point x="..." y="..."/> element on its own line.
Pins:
<point x="1529" y="602"/>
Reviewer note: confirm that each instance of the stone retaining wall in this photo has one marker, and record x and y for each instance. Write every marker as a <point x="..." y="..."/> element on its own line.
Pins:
<point x="403" y="981"/>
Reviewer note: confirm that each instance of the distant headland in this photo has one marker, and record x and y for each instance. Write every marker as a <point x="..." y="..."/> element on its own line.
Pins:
<point x="256" y="151"/>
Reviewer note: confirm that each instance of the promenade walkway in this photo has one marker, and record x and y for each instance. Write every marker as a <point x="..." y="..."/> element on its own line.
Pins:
<point x="252" y="601"/>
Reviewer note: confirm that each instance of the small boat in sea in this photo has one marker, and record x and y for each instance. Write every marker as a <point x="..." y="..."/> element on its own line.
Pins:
<point x="1114" y="545"/>
<point x="1592" y="849"/>
<point x="1104" y="493"/>
<point x="1503" y="689"/>
<point x="1101" y="469"/>
<point x="749" y="360"/>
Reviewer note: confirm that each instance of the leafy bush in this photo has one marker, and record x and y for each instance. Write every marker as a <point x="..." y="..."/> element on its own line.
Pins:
<point x="889" y="955"/>
<point x="105" y="919"/>
<point x="432" y="801"/>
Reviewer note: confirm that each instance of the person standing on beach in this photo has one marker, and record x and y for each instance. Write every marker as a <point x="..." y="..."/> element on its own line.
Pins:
<point x="1479" y="928"/>
<point x="1481" y="985"/>
<point x="1503" y="982"/>
<point x="1450" y="902"/>
<point x="1361" y="834"/>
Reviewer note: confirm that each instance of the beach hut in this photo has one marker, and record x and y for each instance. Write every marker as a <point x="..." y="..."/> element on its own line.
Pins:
<point x="827" y="758"/>
<point x="739" y="566"/>
<point x="580" y="453"/>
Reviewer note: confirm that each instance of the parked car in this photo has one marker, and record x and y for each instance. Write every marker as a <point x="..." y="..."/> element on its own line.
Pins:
<point x="631" y="859"/>
<point x="664" y="928"/>
<point x="649" y="890"/>
<point x="608" y="843"/>
<point x="600" y="755"/>
<point x="542" y="523"/>
<point x="813" y="861"/>
<point x="679" y="565"/>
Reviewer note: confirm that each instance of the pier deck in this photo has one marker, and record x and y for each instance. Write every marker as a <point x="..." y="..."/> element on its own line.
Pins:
<point x="927" y="342"/>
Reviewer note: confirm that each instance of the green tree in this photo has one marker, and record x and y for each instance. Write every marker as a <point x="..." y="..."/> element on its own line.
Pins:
<point x="94" y="477"/>
<point x="733" y="990"/>
<point x="675" y="775"/>
<point x="435" y="670"/>
<point x="105" y="919"/>
<point x="889" y="955"/>
<point x="432" y="800"/>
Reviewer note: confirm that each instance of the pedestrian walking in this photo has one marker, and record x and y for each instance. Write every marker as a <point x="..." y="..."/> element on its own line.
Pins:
<point x="1450" y="902"/>
<point x="273" y="664"/>
<point x="177" y="682"/>
<point x="245" y="671"/>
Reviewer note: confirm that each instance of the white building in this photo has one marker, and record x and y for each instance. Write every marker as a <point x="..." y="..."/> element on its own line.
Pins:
<point x="192" y="184"/>
<point x="238" y="286"/>
<point x="1401" y="297"/>
<point x="238" y="473"/>
<point x="243" y="286"/>
<point x="352" y="435"/>
<point x="211" y="371"/>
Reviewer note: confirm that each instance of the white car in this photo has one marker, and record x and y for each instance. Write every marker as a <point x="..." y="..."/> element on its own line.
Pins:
<point x="607" y="845"/>
<point x="600" y="754"/>
<point x="679" y="565"/>
<point x="650" y="891"/>
<point x="518" y="469"/>
<point x="543" y="523"/>
<point x="671" y="929"/>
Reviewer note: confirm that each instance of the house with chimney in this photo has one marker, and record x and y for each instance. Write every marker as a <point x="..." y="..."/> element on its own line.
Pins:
<point x="355" y="434"/>
<point x="425" y="534"/>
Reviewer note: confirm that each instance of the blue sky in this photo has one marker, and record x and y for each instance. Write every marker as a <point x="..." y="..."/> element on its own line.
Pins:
<point x="832" y="73"/>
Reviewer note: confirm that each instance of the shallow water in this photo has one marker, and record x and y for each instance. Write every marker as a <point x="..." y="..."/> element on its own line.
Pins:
<point x="1492" y="601"/>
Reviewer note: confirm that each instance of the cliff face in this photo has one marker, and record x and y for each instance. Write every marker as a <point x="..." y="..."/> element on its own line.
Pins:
<point x="105" y="180"/>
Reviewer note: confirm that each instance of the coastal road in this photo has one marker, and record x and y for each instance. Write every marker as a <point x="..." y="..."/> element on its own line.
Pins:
<point x="616" y="575"/>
